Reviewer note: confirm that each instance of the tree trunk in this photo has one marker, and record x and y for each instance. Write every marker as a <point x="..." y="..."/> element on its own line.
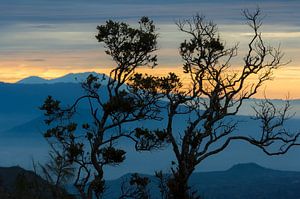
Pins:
<point x="178" y="184"/>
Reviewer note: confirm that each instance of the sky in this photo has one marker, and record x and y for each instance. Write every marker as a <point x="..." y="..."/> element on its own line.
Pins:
<point x="50" y="38"/>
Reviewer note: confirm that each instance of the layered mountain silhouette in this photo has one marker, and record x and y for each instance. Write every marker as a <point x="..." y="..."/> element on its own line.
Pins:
<point x="242" y="181"/>
<point x="21" y="128"/>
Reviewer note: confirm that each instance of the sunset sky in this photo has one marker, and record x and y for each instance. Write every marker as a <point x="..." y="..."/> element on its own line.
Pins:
<point x="50" y="38"/>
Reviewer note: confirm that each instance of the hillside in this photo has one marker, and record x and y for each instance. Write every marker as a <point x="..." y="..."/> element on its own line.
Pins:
<point x="17" y="183"/>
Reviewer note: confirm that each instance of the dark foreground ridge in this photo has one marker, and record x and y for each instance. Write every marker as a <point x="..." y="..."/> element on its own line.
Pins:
<point x="18" y="183"/>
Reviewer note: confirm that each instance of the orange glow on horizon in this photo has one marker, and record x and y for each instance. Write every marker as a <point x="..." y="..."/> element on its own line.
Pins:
<point x="286" y="79"/>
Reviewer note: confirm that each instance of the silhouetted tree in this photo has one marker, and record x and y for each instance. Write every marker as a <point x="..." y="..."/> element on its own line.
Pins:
<point x="162" y="184"/>
<point x="214" y="97"/>
<point x="58" y="171"/>
<point x="111" y="105"/>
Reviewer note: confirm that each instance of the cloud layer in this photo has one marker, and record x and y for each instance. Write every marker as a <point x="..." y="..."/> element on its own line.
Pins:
<point x="38" y="36"/>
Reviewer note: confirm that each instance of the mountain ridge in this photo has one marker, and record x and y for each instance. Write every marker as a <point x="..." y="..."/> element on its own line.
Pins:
<point x="16" y="182"/>
<point x="230" y="183"/>
<point x="80" y="77"/>
<point x="68" y="78"/>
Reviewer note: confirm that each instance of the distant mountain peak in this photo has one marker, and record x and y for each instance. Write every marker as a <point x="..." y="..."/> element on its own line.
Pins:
<point x="247" y="167"/>
<point x="68" y="78"/>
<point x="32" y="80"/>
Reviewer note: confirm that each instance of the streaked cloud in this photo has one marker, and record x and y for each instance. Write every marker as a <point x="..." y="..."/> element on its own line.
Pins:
<point x="279" y="35"/>
<point x="35" y="60"/>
